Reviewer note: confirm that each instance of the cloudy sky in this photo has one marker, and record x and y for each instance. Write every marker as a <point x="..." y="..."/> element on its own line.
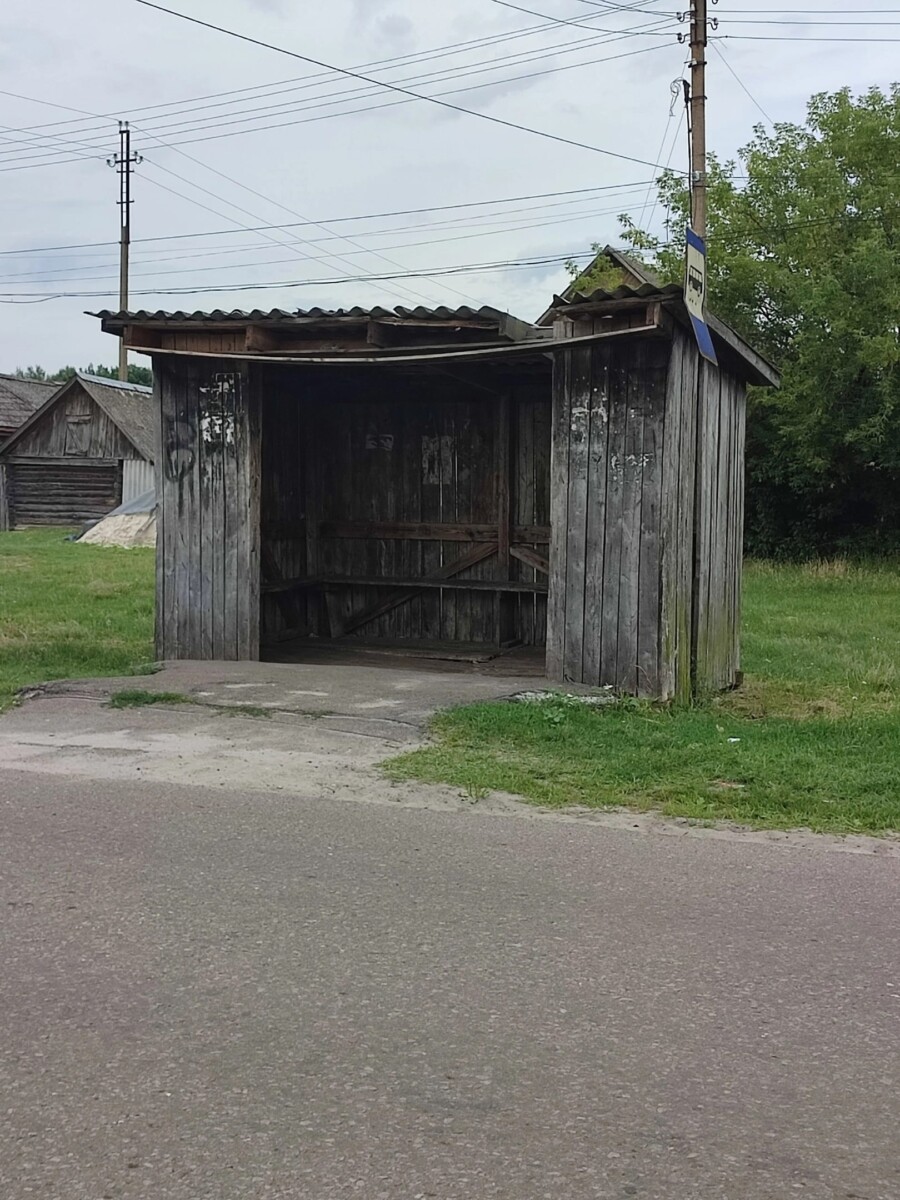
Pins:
<point x="236" y="137"/>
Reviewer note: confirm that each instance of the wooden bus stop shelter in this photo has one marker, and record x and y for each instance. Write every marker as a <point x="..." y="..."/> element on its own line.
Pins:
<point x="453" y="478"/>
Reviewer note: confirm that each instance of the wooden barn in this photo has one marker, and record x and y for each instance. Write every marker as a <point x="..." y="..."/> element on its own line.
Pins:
<point x="89" y="446"/>
<point x="19" y="398"/>
<point x="453" y="480"/>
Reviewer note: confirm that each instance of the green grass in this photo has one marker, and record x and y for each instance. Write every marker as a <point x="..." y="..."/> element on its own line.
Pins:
<point x="69" y="611"/>
<point x="812" y="739"/>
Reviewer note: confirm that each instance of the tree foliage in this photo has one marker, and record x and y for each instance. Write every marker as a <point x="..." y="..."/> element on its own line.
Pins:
<point x="140" y="375"/>
<point x="804" y="261"/>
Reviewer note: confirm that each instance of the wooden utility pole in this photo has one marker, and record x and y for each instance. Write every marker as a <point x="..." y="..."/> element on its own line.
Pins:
<point x="698" y="117"/>
<point x="124" y="162"/>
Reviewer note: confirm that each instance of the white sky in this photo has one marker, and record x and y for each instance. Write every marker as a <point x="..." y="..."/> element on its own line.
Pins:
<point x="117" y="59"/>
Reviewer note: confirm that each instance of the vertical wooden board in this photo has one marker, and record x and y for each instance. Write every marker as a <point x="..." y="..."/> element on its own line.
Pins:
<point x="632" y="520"/>
<point x="577" y="505"/>
<point x="504" y="602"/>
<point x="718" y="540"/>
<point x="650" y="564"/>
<point x="521" y="501"/>
<point x="595" y="523"/>
<point x="739" y="455"/>
<point x="449" y="511"/>
<point x="687" y="542"/>
<point x="708" y="450"/>
<point x="411" y="467"/>
<point x="166" y="386"/>
<point x="249" y="624"/>
<point x="559" y="513"/>
<point x="728" y="530"/>
<point x="542" y="442"/>
<point x="312" y="447"/>
<point x="669" y="514"/>
<point x="185" y="415"/>
<point x="614" y="531"/>
<point x="228" y="392"/>
<point x="483" y="485"/>
<point x="212" y="583"/>
<point x="429" y="464"/>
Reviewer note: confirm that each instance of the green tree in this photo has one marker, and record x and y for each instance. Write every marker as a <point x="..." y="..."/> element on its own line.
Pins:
<point x="139" y="375"/>
<point x="804" y="260"/>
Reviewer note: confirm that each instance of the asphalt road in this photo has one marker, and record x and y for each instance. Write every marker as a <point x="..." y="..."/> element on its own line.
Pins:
<point x="212" y="993"/>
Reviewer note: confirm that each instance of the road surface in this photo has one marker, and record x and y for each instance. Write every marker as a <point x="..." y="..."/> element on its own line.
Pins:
<point x="216" y="991"/>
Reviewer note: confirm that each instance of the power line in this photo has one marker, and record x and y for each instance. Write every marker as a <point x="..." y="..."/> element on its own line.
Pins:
<point x="369" y="108"/>
<point x="427" y="273"/>
<point x="394" y="87"/>
<point x="758" y="37"/>
<point x="741" y="83"/>
<point x="239" y="224"/>
<point x="520" y="227"/>
<point x="472" y="69"/>
<point x="397" y="212"/>
<point x="568" y="21"/>
<point x="421" y="55"/>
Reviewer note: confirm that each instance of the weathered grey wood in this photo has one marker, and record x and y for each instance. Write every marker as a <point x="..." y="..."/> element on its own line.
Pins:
<point x="650" y="563"/>
<point x="208" y="536"/>
<point x="169" y="382"/>
<point x="670" y="598"/>
<point x="413" y="583"/>
<point x="250" y="491"/>
<point x="559" y="516"/>
<point x="740" y="486"/>
<point x="595" y="526"/>
<point x="504" y="609"/>
<point x="463" y="563"/>
<point x="686" y="547"/>
<point x="614" y="531"/>
<point x="531" y="557"/>
<point x="631" y="521"/>
<point x="186" y="420"/>
<point x="579" y="407"/>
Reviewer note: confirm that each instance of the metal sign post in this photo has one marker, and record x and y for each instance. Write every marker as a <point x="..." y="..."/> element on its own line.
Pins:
<point x="695" y="294"/>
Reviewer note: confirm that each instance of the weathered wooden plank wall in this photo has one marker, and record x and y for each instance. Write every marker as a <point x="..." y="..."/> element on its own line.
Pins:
<point x="718" y="529"/>
<point x="647" y="486"/>
<point x="61" y="491"/>
<point x="75" y="427"/>
<point x="371" y="476"/>
<point x="677" y="519"/>
<point x="208" y="516"/>
<point x="606" y="564"/>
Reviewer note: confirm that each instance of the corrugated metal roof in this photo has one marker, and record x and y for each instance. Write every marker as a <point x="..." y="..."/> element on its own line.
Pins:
<point x="644" y="292"/>
<point x="488" y="315"/>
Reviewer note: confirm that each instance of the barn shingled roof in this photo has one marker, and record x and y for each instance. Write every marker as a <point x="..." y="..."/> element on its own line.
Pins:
<point x="19" y="398"/>
<point x="129" y="406"/>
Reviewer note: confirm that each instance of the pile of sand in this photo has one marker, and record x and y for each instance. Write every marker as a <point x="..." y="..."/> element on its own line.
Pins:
<point x="122" y="529"/>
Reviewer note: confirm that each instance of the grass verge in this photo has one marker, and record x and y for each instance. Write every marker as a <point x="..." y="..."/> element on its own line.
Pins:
<point x="812" y="740"/>
<point x="69" y="611"/>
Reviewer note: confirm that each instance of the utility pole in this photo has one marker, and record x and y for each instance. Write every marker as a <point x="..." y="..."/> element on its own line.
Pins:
<point x="124" y="162"/>
<point x="698" y="117"/>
